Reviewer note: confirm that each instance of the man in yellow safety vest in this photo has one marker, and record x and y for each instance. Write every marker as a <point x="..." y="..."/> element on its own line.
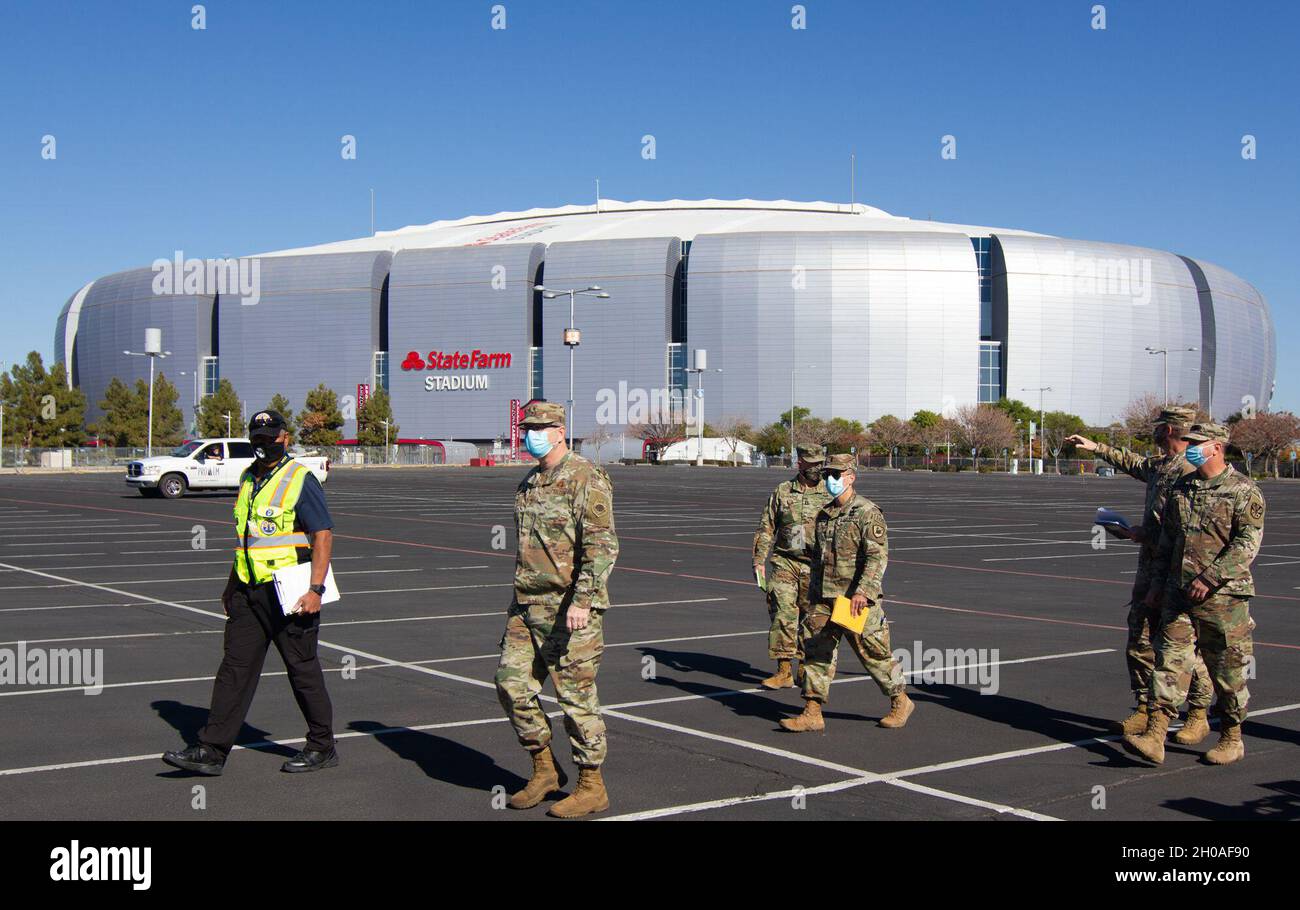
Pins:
<point x="280" y="520"/>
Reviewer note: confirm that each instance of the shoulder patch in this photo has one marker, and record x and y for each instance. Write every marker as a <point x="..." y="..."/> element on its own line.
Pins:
<point x="1256" y="506"/>
<point x="877" y="531"/>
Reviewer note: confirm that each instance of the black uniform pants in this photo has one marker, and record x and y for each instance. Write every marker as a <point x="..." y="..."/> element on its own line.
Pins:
<point x="255" y="620"/>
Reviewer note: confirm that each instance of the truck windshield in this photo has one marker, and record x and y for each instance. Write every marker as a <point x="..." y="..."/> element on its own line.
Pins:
<point x="186" y="448"/>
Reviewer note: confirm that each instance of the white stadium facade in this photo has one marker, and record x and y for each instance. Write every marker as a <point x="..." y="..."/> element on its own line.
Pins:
<point x="861" y="312"/>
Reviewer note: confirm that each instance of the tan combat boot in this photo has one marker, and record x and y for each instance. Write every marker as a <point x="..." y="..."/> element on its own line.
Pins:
<point x="900" y="709"/>
<point x="589" y="796"/>
<point x="1230" y="748"/>
<point x="547" y="779"/>
<point x="1195" y="728"/>
<point x="1133" y="725"/>
<point x="810" y="719"/>
<point x="1151" y="744"/>
<point x="782" y="678"/>
<point x="799" y="675"/>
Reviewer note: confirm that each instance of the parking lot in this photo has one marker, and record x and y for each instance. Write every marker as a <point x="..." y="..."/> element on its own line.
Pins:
<point x="995" y="575"/>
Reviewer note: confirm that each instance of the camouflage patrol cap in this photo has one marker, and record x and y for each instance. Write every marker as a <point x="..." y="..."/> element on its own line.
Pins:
<point x="542" y="414"/>
<point x="812" y="454"/>
<point x="1178" y="417"/>
<point x="1207" y="432"/>
<point x="842" y="462"/>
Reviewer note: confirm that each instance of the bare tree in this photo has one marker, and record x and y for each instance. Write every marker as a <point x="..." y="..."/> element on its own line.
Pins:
<point x="658" y="434"/>
<point x="733" y="431"/>
<point x="983" y="427"/>
<point x="889" y="431"/>
<point x="1141" y="414"/>
<point x="597" y="439"/>
<point x="1267" y="433"/>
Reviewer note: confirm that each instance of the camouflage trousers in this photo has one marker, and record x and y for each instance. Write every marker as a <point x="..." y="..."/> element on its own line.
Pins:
<point x="820" y="639"/>
<point x="1140" y="654"/>
<point x="787" y="602"/>
<point x="536" y="645"/>
<point x="1220" y="628"/>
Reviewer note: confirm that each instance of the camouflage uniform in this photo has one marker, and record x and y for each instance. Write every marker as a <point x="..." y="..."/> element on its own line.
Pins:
<point x="787" y="527"/>
<point x="850" y="552"/>
<point x="1211" y="529"/>
<point x="1159" y="474"/>
<point x="564" y="519"/>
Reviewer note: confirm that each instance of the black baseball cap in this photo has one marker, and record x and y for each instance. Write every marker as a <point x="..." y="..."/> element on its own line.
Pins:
<point x="266" y="423"/>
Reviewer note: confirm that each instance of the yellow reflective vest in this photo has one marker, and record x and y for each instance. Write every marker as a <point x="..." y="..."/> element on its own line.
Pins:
<point x="264" y="522"/>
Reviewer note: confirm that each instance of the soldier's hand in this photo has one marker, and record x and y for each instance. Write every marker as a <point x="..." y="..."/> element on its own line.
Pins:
<point x="1083" y="442"/>
<point x="760" y="577"/>
<point x="858" y="604"/>
<point x="577" y="618"/>
<point x="1198" y="590"/>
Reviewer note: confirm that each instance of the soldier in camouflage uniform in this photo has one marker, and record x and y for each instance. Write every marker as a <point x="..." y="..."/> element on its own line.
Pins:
<point x="1211" y="531"/>
<point x="564" y="519"/>
<point x="851" y="549"/>
<point x="789" y="521"/>
<point x="1159" y="474"/>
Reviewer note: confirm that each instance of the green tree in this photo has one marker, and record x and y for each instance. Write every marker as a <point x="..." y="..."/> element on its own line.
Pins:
<point x="370" y="420"/>
<point x="40" y="410"/>
<point x="213" y="409"/>
<point x="320" y="421"/>
<point x="800" y="414"/>
<point x="122" y="423"/>
<point x="1017" y="410"/>
<point x="924" y="420"/>
<point x="281" y="404"/>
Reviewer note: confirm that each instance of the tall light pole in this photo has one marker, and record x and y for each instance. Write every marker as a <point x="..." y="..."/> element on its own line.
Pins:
<point x="811" y="366"/>
<point x="572" y="337"/>
<point x="194" y="423"/>
<point x="1165" y="362"/>
<point x="153" y="350"/>
<point x="2" y="421"/>
<point x="700" y="368"/>
<point x="386" y="425"/>
<point x="1042" y="430"/>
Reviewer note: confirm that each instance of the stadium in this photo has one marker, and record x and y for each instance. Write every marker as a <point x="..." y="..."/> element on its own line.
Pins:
<point x="846" y="309"/>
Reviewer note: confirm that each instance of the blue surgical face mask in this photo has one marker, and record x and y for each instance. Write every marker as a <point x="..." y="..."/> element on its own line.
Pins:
<point x="1196" y="456"/>
<point x="835" y="485"/>
<point x="538" y="443"/>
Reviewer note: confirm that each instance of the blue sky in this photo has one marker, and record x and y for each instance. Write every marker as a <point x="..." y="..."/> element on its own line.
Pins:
<point x="226" y="141"/>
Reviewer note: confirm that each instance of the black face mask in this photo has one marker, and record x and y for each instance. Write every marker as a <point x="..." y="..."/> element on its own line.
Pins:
<point x="812" y="476"/>
<point x="269" y="452"/>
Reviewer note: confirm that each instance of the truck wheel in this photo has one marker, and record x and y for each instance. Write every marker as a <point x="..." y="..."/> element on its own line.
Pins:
<point x="172" y="486"/>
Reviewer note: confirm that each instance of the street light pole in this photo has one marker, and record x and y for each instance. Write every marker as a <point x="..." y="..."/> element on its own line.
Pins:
<point x="153" y="350"/>
<point x="1042" y="430"/>
<point x="572" y="337"/>
<point x="1165" y="363"/>
<point x="700" y="368"/>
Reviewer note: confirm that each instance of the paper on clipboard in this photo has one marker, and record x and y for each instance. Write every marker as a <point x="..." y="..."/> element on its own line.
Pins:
<point x="292" y="582"/>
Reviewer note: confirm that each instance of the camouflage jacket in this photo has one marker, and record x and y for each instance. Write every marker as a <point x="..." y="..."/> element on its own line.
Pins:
<point x="1159" y="473"/>
<point x="564" y="519"/>
<point x="1211" y="528"/>
<point x="790" y="520"/>
<point x="851" y="550"/>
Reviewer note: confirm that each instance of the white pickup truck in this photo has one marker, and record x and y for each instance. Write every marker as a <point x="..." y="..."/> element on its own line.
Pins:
<point x="205" y="464"/>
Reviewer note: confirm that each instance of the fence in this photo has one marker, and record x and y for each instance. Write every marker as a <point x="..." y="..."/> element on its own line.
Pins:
<point x="460" y="453"/>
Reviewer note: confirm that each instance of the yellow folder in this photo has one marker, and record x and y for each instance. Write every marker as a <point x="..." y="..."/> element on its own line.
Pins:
<point x="842" y="615"/>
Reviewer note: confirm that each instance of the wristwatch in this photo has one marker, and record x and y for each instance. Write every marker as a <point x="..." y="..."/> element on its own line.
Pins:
<point x="317" y="589"/>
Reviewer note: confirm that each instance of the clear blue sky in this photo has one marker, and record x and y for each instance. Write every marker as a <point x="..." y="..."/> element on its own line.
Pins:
<point x="226" y="141"/>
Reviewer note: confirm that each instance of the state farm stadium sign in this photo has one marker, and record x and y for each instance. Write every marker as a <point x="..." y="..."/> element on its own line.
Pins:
<point x="449" y="365"/>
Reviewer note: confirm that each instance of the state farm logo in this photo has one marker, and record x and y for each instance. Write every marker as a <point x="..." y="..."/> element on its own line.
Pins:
<point x="456" y="360"/>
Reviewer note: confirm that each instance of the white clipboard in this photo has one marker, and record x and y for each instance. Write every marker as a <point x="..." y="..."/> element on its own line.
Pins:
<point x="292" y="583"/>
